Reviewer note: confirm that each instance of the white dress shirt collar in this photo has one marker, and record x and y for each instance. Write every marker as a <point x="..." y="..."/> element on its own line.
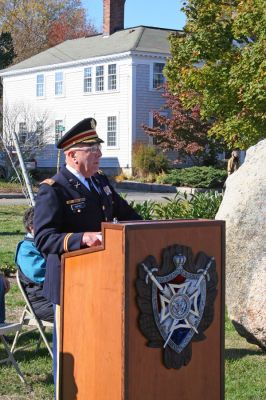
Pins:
<point x="78" y="175"/>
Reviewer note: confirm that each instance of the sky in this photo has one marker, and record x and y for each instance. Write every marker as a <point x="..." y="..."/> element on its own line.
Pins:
<point x="163" y="14"/>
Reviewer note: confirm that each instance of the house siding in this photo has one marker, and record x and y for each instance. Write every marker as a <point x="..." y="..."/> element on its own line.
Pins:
<point x="74" y="105"/>
<point x="147" y="100"/>
<point x="133" y="50"/>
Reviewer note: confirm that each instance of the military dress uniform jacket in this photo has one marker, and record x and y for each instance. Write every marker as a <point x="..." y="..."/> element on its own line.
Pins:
<point x="64" y="210"/>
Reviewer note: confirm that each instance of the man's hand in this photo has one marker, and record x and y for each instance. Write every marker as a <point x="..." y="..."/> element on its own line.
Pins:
<point x="91" y="239"/>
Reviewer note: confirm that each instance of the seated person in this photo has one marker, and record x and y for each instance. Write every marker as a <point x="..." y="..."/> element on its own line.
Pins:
<point x="32" y="267"/>
<point x="4" y="288"/>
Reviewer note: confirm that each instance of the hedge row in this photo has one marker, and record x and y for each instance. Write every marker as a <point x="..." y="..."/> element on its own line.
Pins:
<point x="197" y="177"/>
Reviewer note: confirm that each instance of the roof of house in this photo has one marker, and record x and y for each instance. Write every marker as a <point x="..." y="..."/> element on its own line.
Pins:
<point x="140" y="38"/>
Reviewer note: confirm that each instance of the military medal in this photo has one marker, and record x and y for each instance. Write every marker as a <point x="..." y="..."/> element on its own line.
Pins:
<point x="107" y="190"/>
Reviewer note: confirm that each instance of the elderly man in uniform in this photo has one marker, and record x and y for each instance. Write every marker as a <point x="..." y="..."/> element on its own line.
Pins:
<point x="71" y="206"/>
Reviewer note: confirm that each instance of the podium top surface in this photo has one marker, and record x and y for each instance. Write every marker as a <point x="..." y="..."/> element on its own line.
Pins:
<point x="127" y="226"/>
<point x="156" y="223"/>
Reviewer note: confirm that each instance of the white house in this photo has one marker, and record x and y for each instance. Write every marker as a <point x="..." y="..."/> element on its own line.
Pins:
<point x="112" y="77"/>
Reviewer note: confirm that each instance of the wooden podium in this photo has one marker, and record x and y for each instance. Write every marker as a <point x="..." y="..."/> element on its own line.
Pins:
<point x="104" y="355"/>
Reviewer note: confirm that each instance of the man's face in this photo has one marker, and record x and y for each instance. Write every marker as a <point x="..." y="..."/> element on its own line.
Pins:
<point x="86" y="159"/>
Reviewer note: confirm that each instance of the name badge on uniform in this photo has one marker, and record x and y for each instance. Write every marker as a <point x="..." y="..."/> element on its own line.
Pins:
<point x="107" y="190"/>
<point x="77" y="205"/>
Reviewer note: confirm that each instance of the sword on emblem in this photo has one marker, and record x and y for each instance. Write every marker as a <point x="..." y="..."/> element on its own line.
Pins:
<point x="205" y="271"/>
<point x="179" y="261"/>
<point x="165" y="290"/>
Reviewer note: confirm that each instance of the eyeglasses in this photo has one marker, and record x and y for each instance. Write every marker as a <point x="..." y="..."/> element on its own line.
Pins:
<point x="95" y="148"/>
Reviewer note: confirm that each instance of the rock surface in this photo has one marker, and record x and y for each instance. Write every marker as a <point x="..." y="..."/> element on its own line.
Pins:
<point x="244" y="210"/>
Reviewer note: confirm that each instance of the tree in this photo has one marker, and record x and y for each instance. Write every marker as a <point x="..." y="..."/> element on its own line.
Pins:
<point x="69" y="27"/>
<point x="7" y="52"/>
<point x="219" y="65"/>
<point x="7" y="55"/>
<point x="33" y="133"/>
<point x="183" y="130"/>
<point x="32" y="23"/>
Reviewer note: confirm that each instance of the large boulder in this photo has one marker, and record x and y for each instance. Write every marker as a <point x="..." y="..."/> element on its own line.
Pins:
<point x="244" y="210"/>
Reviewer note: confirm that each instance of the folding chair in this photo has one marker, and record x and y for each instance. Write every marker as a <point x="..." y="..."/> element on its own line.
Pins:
<point x="5" y="329"/>
<point x="29" y="319"/>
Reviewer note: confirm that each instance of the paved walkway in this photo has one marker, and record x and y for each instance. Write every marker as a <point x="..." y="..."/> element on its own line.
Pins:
<point x="19" y="199"/>
<point x="132" y="190"/>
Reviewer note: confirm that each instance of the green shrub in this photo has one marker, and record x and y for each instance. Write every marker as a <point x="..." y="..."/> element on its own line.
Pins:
<point x="204" y="205"/>
<point x="144" y="209"/>
<point x="16" y="180"/>
<point x="148" y="160"/>
<point x="173" y="209"/>
<point x="171" y="178"/>
<point x="199" y="177"/>
<point x="199" y="205"/>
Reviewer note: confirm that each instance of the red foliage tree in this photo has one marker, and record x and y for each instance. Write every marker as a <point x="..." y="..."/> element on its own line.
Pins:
<point x="183" y="130"/>
<point x="69" y="26"/>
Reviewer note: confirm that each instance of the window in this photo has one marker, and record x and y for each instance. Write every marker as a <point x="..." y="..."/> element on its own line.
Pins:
<point x="40" y="85"/>
<point x="154" y="124"/>
<point x="111" y="76"/>
<point x="111" y="131"/>
<point x="59" y="129"/>
<point x="99" y="84"/>
<point x="22" y="132"/>
<point x="58" y="83"/>
<point x="158" y="78"/>
<point x="87" y="80"/>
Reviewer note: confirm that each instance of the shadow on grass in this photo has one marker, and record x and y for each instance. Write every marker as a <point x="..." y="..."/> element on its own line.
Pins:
<point x="12" y="233"/>
<point x="29" y="339"/>
<point x="31" y="353"/>
<point x="236" y="354"/>
<point x="36" y="367"/>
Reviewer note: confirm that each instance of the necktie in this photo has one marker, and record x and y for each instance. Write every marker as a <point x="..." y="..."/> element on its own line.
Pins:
<point x="92" y="185"/>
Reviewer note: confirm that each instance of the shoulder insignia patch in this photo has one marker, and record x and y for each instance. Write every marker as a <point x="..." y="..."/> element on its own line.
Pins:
<point x="48" y="181"/>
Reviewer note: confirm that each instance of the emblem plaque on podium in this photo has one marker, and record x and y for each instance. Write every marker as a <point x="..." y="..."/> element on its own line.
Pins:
<point x="181" y="295"/>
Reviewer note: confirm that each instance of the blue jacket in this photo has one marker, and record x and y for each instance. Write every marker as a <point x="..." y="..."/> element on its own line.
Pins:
<point x="30" y="261"/>
<point x="64" y="210"/>
<point x="32" y="267"/>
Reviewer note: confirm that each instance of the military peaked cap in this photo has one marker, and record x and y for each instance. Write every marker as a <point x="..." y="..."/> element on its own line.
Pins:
<point x="83" y="132"/>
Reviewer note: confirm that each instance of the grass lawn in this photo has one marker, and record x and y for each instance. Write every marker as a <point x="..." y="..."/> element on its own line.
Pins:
<point x="14" y="187"/>
<point x="245" y="364"/>
<point x="245" y="368"/>
<point x="11" y="232"/>
<point x="9" y="187"/>
<point x="37" y="367"/>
